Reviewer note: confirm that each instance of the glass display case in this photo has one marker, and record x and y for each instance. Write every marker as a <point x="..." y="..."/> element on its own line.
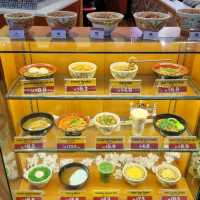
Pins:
<point x="90" y="131"/>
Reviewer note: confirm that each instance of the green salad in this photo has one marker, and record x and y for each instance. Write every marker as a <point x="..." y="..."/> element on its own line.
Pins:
<point x="170" y="124"/>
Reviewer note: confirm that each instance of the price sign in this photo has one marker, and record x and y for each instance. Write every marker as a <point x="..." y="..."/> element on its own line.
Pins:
<point x="144" y="142"/>
<point x="188" y="143"/>
<point x="171" y="86"/>
<point x="139" y="195"/>
<point x="97" y="33"/>
<point x="40" y="86"/>
<point x="59" y="34"/>
<point x="28" y="142"/>
<point x="105" y="195"/>
<point x="29" y="195"/>
<point x="125" y="86"/>
<point x="109" y="143"/>
<point x="72" y="195"/>
<point x="173" y="194"/>
<point x="80" y="85"/>
<point x="194" y="36"/>
<point x="17" y="34"/>
<point x="150" y="35"/>
<point x="71" y="143"/>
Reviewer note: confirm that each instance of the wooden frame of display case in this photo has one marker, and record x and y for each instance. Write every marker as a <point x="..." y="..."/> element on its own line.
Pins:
<point x="18" y="53"/>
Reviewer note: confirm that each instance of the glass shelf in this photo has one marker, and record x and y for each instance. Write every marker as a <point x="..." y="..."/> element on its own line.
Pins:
<point x="151" y="183"/>
<point x="50" y="141"/>
<point x="148" y="91"/>
<point x="123" y="41"/>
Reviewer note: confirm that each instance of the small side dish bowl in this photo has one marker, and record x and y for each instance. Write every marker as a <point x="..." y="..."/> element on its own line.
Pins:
<point x="151" y="21"/>
<point x="105" y="169"/>
<point x="106" y="20"/>
<point x="168" y="175"/>
<point x="134" y="173"/>
<point x="19" y="20"/>
<point x="39" y="175"/>
<point x="170" y="70"/>
<point x="37" y="71"/>
<point x="123" y="70"/>
<point x="38" y="123"/>
<point x="73" y="124"/>
<point x="74" y="175"/>
<point x="82" y="69"/>
<point x="61" y="19"/>
<point x="107" y="122"/>
<point x="188" y="20"/>
<point x="169" y="124"/>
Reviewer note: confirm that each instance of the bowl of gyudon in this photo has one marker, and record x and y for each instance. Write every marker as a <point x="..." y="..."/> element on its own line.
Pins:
<point x="82" y="70"/>
<point x="73" y="124"/>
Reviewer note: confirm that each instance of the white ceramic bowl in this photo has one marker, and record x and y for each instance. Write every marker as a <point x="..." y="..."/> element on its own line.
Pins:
<point x="105" y="129"/>
<point x="19" y="20"/>
<point x="151" y="21"/>
<point x="106" y="20"/>
<point x="82" y="74"/>
<point x="120" y="74"/>
<point x="163" y="181"/>
<point x="188" y="20"/>
<point x="132" y="181"/>
<point x="62" y="19"/>
<point x="40" y="184"/>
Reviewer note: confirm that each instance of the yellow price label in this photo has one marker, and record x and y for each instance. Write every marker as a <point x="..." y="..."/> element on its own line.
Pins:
<point x="182" y="143"/>
<point x="29" y="195"/>
<point x="80" y="85"/>
<point x="106" y="195"/>
<point x="28" y="142"/>
<point x="109" y="142"/>
<point x="38" y="86"/>
<point x="170" y="194"/>
<point x="69" y="143"/>
<point x="144" y="142"/>
<point x="139" y="195"/>
<point x="73" y="195"/>
<point x="118" y="86"/>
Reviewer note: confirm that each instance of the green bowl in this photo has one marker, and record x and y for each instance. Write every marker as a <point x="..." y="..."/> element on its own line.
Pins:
<point x="105" y="169"/>
<point x="39" y="175"/>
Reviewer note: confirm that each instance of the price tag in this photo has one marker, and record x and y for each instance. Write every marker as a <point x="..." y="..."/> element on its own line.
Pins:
<point x="17" y="34"/>
<point x="29" y="195"/>
<point x="97" y="33"/>
<point x="144" y="142"/>
<point x="59" y="34"/>
<point x="41" y="86"/>
<point x="173" y="194"/>
<point x="72" y="195"/>
<point x="105" y="195"/>
<point x="109" y="143"/>
<point x="125" y="86"/>
<point x="139" y="195"/>
<point x="80" y="85"/>
<point x="172" y="86"/>
<point x="188" y="143"/>
<point x="150" y="35"/>
<point x="71" y="143"/>
<point x="28" y="142"/>
<point x="194" y="36"/>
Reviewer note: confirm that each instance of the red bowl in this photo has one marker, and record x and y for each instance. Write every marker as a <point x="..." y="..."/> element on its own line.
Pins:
<point x="52" y="70"/>
<point x="70" y="130"/>
<point x="182" y="70"/>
